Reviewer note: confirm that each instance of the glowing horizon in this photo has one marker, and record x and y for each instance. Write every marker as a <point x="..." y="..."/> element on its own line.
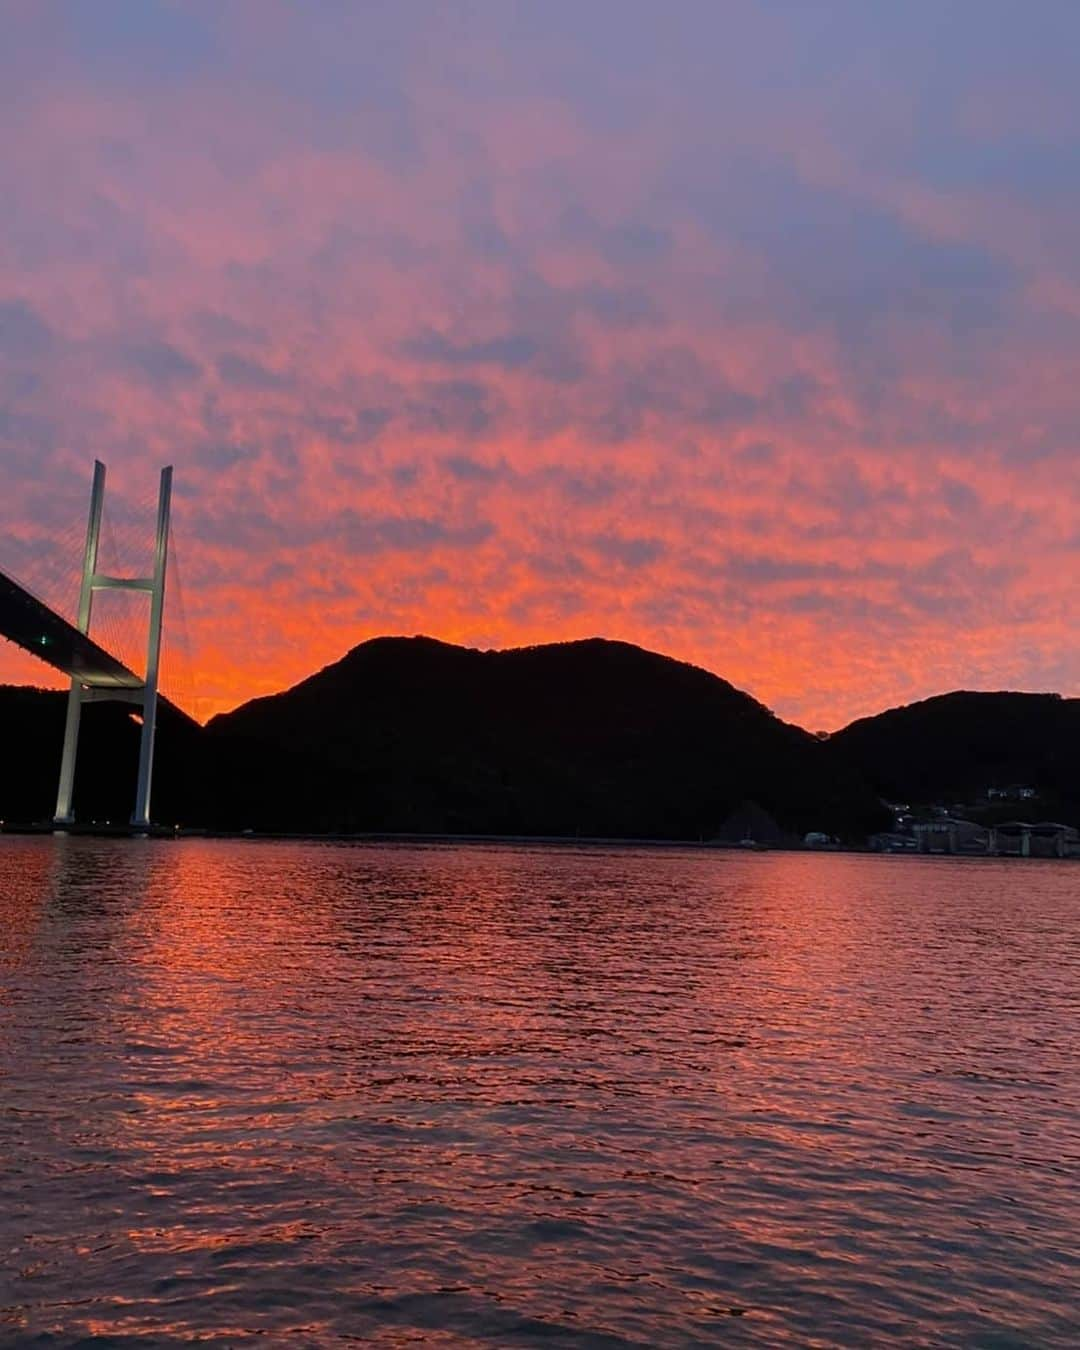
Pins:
<point x="748" y="337"/>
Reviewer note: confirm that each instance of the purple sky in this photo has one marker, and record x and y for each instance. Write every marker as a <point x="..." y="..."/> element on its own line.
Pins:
<point x="746" y="331"/>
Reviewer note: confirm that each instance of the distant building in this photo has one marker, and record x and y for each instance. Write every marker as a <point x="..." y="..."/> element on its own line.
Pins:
<point x="1011" y="838"/>
<point x="893" y="841"/>
<point x="1015" y="792"/>
<point x="1039" y="839"/>
<point x="948" y="834"/>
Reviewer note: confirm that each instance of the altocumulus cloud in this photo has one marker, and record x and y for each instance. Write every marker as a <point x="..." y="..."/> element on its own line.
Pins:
<point x="746" y="331"/>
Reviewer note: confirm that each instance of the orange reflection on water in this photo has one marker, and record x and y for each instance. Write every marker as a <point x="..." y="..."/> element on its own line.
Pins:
<point x="323" y="1091"/>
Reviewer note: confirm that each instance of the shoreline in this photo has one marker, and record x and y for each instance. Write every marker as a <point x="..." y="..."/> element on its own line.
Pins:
<point x="179" y="833"/>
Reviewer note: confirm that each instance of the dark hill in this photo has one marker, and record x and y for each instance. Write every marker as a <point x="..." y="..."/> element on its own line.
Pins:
<point x="32" y="734"/>
<point x="592" y="738"/>
<point x="957" y="746"/>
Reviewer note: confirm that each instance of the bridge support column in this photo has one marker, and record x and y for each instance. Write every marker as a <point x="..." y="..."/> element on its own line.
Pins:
<point x="106" y="685"/>
<point x="64" y="814"/>
<point x="141" y="815"/>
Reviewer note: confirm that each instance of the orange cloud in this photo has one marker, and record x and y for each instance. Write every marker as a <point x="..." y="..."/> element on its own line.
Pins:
<point x="468" y="345"/>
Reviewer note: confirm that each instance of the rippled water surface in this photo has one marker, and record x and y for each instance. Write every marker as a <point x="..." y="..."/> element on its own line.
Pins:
<point x="535" y="1096"/>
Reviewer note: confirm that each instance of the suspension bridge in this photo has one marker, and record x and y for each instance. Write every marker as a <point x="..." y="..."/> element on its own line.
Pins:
<point x="107" y="670"/>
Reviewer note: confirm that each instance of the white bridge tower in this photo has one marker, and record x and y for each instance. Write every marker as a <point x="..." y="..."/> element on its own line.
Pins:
<point x="144" y="694"/>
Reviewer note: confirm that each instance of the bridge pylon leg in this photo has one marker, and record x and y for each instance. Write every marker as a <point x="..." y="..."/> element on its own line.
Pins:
<point x="64" y="814"/>
<point x="141" y="814"/>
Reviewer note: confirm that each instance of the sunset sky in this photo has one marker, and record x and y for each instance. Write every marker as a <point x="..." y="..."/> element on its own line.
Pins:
<point x="746" y="330"/>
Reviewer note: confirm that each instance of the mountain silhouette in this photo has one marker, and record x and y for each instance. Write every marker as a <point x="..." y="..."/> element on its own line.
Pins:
<point x="592" y="738"/>
<point x="955" y="747"/>
<point x="32" y="731"/>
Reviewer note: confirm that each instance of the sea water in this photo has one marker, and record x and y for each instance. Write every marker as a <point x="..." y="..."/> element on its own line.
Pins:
<point x="509" y="1095"/>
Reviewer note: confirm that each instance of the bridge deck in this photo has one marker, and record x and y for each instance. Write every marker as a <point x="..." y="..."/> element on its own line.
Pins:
<point x="32" y="625"/>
